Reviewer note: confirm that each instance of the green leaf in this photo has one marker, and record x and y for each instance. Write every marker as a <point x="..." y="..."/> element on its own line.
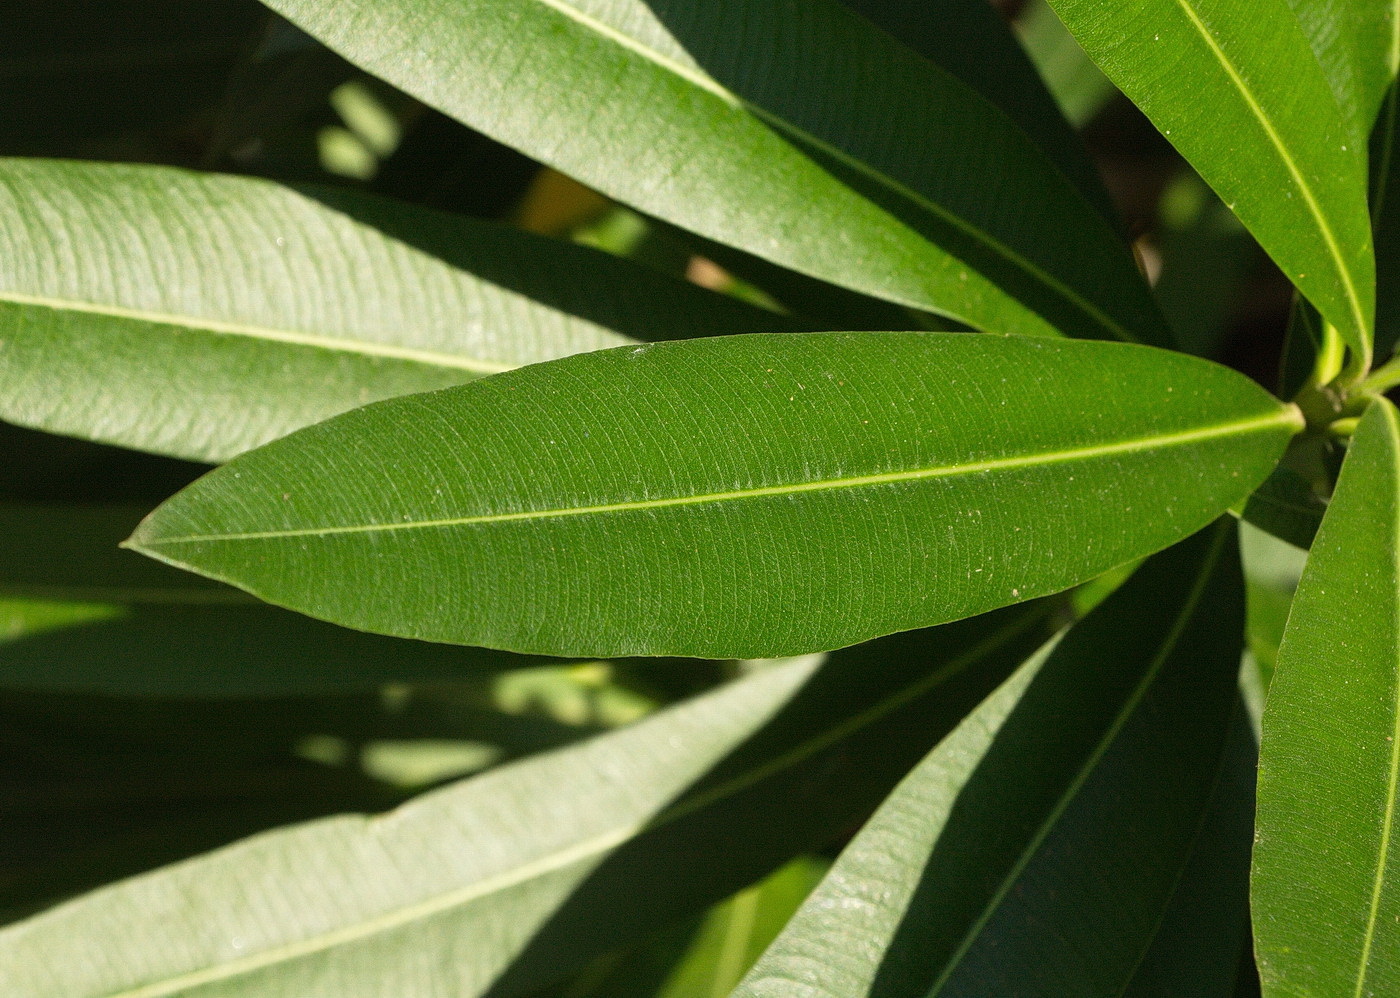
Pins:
<point x="1260" y="124"/>
<point x="1326" y="899"/>
<point x="1354" y="40"/>
<point x="1197" y="948"/>
<point x="734" y="934"/>
<point x="795" y="131"/>
<point x="1036" y="850"/>
<point x="201" y="315"/>
<point x="1080" y="89"/>
<point x="78" y="614"/>
<point x="972" y="41"/>
<point x="553" y="860"/>
<point x="739" y="497"/>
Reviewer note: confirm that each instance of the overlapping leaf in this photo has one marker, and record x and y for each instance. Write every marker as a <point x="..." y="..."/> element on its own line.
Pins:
<point x="1326" y="884"/>
<point x="78" y="614"/>
<point x="199" y="315"/>
<point x="1237" y="89"/>
<point x="793" y="130"/>
<point x="510" y="880"/>
<point x="735" y="497"/>
<point x="1038" y="848"/>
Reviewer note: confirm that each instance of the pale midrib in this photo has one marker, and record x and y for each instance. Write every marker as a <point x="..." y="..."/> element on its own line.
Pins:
<point x="1283" y="417"/>
<point x="1193" y="600"/>
<point x="287" y="336"/>
<point x="707" y="83"/>
<point x="588" y="848"/>
<point x="1358" y="313"/>
<point x="1393" y="776"/>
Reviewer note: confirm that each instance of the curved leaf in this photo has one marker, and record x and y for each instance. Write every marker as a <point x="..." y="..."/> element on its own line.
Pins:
<point x="737" y="497"/>
<point x="503" y="883"/>
<point x="1035" y="851"/>
<point x="1326" y="881"/>
<point x="201" y="315"/>
<point x="791" y="129"/>
<point x="1261" y="125"/>
<point x="1354" y="41"/>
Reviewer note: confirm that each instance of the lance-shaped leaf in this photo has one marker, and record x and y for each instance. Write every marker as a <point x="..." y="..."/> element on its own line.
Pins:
<point x="738" y="497"/>
<point x="1326" y="881"/>
<point x="1035" y="851"/>
<point x="200" y="315"/>
<point x="794" y="130"/>
<point x="508" y="881"/>
<point x="1385" y="200"/>
<point x="79" y="614"/>
<point x="972" y="41"/>
<point x="1261" y="125"/>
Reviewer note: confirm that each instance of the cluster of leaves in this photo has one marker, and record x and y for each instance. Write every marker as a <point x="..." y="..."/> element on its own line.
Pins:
<point x="1024" y="761"/>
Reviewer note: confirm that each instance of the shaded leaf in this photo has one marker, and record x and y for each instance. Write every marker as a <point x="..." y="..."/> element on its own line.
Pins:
<point x="1260" y="124"/>
<point x="1036" y="850"/>
<point x="1354" y="40"/>
<point x="737" y="497"/>
<point x="200" y="315"/>
<point x="792" y="130"/>
<point x="1326" y="899"/>
<point x="553" y="859"/>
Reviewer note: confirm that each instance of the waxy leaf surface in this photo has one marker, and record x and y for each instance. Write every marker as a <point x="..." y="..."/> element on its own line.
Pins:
<point x="1326" y="880"/>
<point x="1237" y="89"/>
<point x="1036" y="850"/>
<point x="792" y="129"/>
<point x="201" y="315"/>
<point x="506" y="882"/>
<point x="737" y="497"/>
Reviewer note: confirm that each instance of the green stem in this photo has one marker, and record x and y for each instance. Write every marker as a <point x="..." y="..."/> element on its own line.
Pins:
<point x="1383" y="378"/>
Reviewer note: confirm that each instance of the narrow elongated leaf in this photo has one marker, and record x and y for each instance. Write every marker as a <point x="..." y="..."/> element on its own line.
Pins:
<point x="508" y="881"/>
<point x="788" y="128"/>
<point x="736" y="497"/>
<point x="971" y="40"/>
<point x="1326" y="891"/>
<point x="1035" y="851"/>
<point x="199" y="315"/>
<point x="1261" y="125"/>
<point x="1385" y="195"/>
<point x="78" y="614"/>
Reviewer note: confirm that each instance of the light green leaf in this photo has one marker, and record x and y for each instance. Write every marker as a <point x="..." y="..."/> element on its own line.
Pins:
<point x="1036" y="850"/>
<point x="791" y="129"/>
<point x="201" y="315"/>
<point x="738" y="497"/>
<point x="1326" y="892"/>
<point x="1261" y="125"/>
<point x="508" y="881"/>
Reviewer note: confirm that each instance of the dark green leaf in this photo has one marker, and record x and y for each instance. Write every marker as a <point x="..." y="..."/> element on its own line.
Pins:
<point x="735" y="497"/>
<point x="1036" y="850"/>
<point x="1259" y="121"/>
<point x="1326" y="899"/>
<point x="553" y="860"/>
<point x="791" y="129"/>
<point x="1355" y="41"/>
<point x="200" y="315"/>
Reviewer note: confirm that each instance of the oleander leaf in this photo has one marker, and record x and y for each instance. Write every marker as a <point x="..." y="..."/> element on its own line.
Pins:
<point x="1260" y="124"/>
<point x="1354" y="40"/>
<point x="199" y="315"/>
<point x="1326" y="897"/>
<point x="1037" y="849"/>
<point x="791" y="129"/>
<point x="736" y="497"/>
<point x="506" y="882"/>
